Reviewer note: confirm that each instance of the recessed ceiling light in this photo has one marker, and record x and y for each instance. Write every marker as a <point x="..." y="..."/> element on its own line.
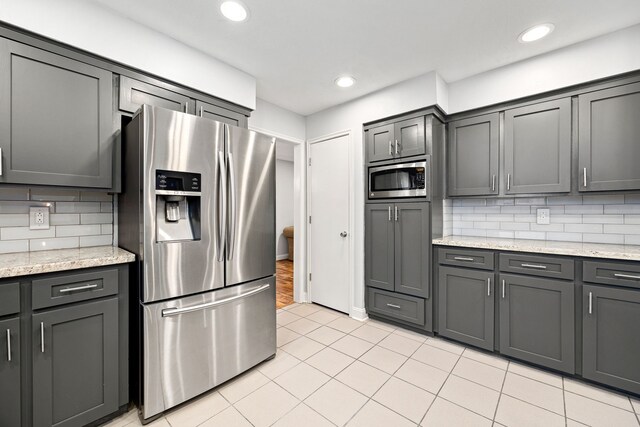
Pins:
<point x="345" y="81"/>
<point x="535" y="33"/>
<point x="234" y="11"/>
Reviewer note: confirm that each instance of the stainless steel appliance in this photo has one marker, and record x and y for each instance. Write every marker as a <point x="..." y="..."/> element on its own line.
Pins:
<point x="198" y="209"/>
<point x="400" y="180"/>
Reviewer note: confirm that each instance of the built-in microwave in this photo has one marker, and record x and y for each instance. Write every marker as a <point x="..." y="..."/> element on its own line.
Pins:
<point x="399" y="180"/>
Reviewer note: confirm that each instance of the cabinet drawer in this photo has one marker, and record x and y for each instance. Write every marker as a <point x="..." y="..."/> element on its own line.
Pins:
<point x="401" y="307"/>
<point x="9" y="298"/>
<point x="557" y="268"/>
<point x="68" y="288"/>
<point x="466" y="258"/>
<point x="612" y="273"/>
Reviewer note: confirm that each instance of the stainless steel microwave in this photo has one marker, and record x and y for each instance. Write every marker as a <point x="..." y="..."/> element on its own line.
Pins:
<point x="399" y="180"/>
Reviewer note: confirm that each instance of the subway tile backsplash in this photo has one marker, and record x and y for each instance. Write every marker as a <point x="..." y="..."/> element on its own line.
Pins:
<point x="589" y="218"/>
<point x="77" y="219"/>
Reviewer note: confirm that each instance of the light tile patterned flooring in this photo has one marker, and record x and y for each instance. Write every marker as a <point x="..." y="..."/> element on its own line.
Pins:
<point x="333" y="370"/>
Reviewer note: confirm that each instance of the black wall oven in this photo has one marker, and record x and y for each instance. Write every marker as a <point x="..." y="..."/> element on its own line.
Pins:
<point x="399" y="180"/>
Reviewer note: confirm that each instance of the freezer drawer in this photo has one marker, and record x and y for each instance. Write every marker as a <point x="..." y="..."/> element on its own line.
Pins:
<point x="195" y="343"/>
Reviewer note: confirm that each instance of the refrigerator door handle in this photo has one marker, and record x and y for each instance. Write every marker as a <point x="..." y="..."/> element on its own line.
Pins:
<point x="173" y="311"/>
<point x="221" y="183"/>
<point x="231" y="233"/>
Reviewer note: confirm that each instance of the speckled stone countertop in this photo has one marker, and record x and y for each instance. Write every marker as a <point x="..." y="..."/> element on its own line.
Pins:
<point x="27" y="263"/>
<point x="590" y="250"/>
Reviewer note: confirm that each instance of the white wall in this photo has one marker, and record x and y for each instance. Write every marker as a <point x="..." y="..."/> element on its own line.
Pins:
<point x="277" y="121"/>
<point x="604" y="56"/>
<point x="284" y="204"/>
<point x="98" y="30"/>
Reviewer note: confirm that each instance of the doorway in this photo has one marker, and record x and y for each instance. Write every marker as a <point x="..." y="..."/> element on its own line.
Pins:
<point x="329" y="237"/>
<point x="285" y="232"/>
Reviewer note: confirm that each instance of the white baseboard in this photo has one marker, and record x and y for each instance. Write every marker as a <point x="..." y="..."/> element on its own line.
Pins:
<point x="281" y="257"/>
<point x="359" y="314"/>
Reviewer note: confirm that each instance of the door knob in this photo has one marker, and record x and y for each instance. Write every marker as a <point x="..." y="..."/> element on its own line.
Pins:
<point x="343" y="234"/>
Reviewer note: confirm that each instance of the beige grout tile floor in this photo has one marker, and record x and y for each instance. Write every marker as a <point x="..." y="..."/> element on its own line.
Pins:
<point x="331" y="370"/>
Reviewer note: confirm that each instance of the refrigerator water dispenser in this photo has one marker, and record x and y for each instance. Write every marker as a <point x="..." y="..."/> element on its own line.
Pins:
<point x="178" y="197"/>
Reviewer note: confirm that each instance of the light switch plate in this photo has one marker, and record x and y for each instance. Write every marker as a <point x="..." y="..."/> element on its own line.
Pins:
<point x="39" y="218"/>
<point x="542" y="216"/>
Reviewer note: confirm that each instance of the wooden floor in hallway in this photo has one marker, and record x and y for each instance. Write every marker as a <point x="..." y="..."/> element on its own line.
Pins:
<point x="284" y="283"/>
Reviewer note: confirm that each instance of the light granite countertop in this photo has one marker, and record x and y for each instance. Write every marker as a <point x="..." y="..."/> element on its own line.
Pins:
<point x="27" y="263"/>
<point x="590" y="250"/>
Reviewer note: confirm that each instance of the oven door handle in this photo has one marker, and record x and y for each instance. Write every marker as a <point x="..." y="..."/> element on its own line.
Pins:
<point x="174" y="311"/>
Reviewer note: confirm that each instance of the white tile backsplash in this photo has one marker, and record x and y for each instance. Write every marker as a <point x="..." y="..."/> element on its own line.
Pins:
<point x="589" y="218"/>
<point x="77" y="219"/>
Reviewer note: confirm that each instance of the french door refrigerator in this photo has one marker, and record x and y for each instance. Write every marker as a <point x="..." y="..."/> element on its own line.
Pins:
<point x="198" y="210"/>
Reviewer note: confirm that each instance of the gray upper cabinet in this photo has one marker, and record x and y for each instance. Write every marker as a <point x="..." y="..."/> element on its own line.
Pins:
<point x="413" y="249"/>
<point x="537" y="321"/>
<point x="473" y="156"/>
<point x="75" y="363"/>
<point x="537" y="148"/>
<point x="134" y="93"/>
<point x="213" y="112"/>
<point x="379" y="246"/>
<point x="611" y="342"/>
<point x="56" y="124"/>
<point x="609" y="141"/>
<point x="10" y="389"/>
<point x="409" y="137"/>
<point x="466" y="306"/>
<point x="380" y="143"/>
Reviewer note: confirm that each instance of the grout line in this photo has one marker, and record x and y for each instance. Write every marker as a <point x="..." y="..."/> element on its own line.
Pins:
<point x="564" y="403"/>
<point x="504" y="379"/>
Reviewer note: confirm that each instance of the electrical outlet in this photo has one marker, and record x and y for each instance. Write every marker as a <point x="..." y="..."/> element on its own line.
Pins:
<point x="542" y="216"/>
<point x="39" y="218"/>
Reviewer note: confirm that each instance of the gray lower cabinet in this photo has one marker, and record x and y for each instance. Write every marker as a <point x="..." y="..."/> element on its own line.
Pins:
<point x="75" y="363"/>
<point x="473" y="156"/>
<point x="608" y="139"/>
<point x="466" y="306"/>
<point x="412" y="248"/>
<point x="537" y="148"/>
<point x="611" y="342"/>
<point x="10" y="389"/>
<point x="379" y="246"/>
<point x="56" y="119"/>
<point x="537" y="321"/>
<point x="134" y="93"/>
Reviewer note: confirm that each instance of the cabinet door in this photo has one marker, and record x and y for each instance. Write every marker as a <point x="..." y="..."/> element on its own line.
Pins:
<point x="611" y="342"/>
<point x="473" y="156"/>
<point x="380" y="143"/>
<point x="409" y="137"/>
<point x="10" y="373"/>
<point x="537" y="321"/>
<point x="609" y="145"/>
<point x="75" y="363"/>
<point x="134" y="93"/>
<point x="379" y="246"/>
<point x="219" y="114"/>
<point x="412" y="248"/>
<point x="537" y="148"/>
<point x="56" y="124"/>
<point x="466" y="306"/>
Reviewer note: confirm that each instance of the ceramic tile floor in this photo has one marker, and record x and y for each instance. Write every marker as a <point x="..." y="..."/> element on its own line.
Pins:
<point x="331" y="370"/>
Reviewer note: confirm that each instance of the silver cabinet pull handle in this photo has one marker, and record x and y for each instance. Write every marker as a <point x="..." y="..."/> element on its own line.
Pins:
<point x="397" y="147"/>
<point x="626" y="276"/>
<point x="584" y="177"/>
<point x="390" y="148"/>
<point x="393" y="305"/>
<point x="396" y="214"/>
<point x="539" y="267"/>
<point x="463" y="258"/>
<point x="201" y="111"/>
<point x="174" y="311"/>
<point x="389" y="213"/>
<point x="8" y="345"/>
<point x="489" y="286"/>
<point x="222" y="205"/>
<point x="79" y="288"/>
<point x="493" y="182"/>
<point x="42" y="337"/>
<point x="503" y="289"/>
<point x="590" y="303"/>
<point x="508" y="181"/>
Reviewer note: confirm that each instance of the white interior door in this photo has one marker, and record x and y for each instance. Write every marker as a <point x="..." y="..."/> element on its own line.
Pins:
<point x="329" y="234"/>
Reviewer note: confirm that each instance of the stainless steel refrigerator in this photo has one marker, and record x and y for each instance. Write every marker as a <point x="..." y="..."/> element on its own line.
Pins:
<point x="198" y="210"/>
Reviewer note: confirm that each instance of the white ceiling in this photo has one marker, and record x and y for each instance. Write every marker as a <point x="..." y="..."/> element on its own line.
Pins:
<point x="296" y="48"/>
